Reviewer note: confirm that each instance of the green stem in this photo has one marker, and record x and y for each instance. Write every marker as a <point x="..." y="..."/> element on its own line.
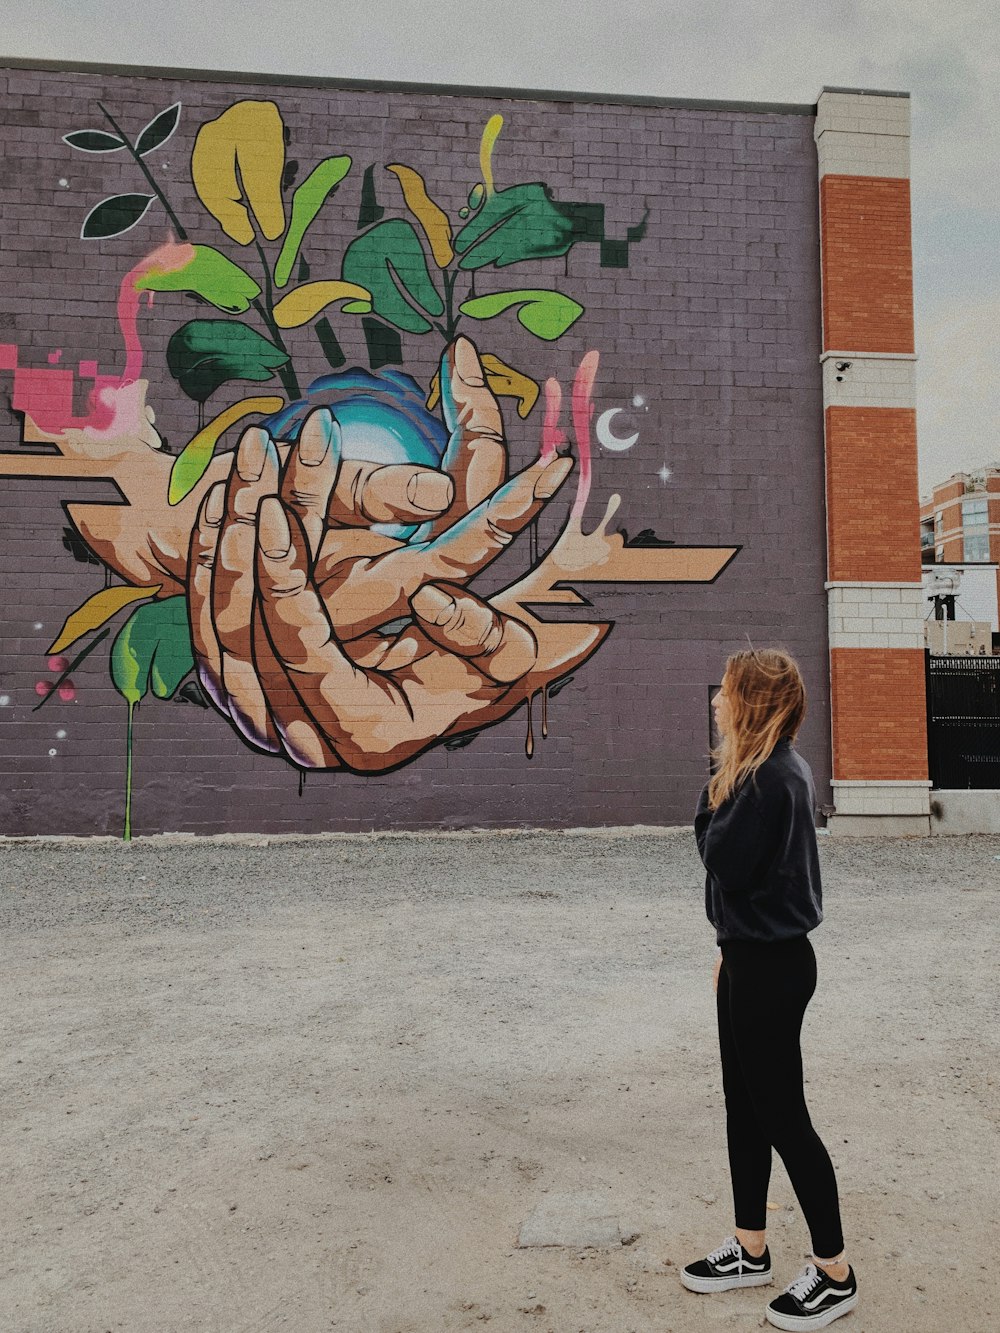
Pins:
<point x="179" y="230"/>
<point x="450" y="278"/>
<point x="286" y="373"/>
<point x="127" y="832"/>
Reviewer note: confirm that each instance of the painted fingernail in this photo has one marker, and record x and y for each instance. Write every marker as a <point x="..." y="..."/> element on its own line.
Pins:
<point x="314" y="440"/>
<point x="432" y="604"/>
<point x="467" y="364"/>
<point x="251" y="453"/>
<point x="215" y="504"/>
<point x="273" y="533"/>
<point x="553" y="477"/>
<point x="430" y="491"/>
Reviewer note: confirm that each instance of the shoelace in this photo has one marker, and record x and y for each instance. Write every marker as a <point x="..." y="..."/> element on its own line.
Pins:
<point x="808" y="1280"/>
<point x="731" y="1246"/>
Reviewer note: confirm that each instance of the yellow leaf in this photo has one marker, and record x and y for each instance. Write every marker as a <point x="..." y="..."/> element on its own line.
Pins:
<point x="304" y="303"/>
<point x="504" y="380"/>
<point x="431" y="217"/>
<point x="190" y="464"/>
<point x="238" y="160"/>
<point x="96" y="611"/>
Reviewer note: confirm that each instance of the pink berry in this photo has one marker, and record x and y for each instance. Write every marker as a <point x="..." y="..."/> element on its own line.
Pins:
<point x="43" y="688"/>
<point x="58" y="663"/>
<point x="67" y="691"/>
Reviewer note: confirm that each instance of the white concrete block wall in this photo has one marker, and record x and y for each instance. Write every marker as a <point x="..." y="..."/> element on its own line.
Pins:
<point x="863" y="134"/>
<point x="884" y="379"/>
<point x="876" y="615"/>
<point x="898" y="799"/>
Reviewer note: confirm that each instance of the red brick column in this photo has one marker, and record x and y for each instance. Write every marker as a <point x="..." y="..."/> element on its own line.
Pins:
<point x="873" y="509"/>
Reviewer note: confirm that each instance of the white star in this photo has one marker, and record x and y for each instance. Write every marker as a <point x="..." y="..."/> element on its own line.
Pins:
<point x="664" y="474"/>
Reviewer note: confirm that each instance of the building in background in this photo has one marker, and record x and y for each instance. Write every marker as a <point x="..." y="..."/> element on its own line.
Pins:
<point x="960" y="520"/>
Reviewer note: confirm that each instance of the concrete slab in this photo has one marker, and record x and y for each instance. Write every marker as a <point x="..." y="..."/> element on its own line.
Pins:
<point x="578" y="1221"/>
<point x="965" y="811"/>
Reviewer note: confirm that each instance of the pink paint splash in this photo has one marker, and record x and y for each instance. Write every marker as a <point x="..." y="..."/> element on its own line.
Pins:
<point x="583" y="411"/>
<point x="553" y="438"/>
<point x="114" y="403"/>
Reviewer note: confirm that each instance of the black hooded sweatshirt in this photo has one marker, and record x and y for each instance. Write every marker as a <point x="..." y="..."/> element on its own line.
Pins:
<point x="759" y="848"/>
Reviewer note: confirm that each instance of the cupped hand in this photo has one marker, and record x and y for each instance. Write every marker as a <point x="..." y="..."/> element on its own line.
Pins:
<point x="336" y="645"/>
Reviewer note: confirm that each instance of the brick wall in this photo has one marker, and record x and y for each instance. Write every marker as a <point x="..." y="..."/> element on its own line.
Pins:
<point x="708" y="330"/>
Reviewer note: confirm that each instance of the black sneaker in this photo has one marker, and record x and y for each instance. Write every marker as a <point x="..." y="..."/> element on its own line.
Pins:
<point x="813" y="1300"/>
<point x="727" y="1267"/>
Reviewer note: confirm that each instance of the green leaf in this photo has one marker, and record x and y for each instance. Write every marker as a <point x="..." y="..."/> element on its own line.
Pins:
<point x="114" y="216"/>
<point x="389" y="260"/>
<point x="205" y="353"/>
<point x="153" y="649"/>
<point x="523" y="222"/>
<point x="210" y="275"/>
<point x="159" y="130"/>
<point x="94" y="141"/>
<point x="307" y="200"/>
<point x="545" y="314"/>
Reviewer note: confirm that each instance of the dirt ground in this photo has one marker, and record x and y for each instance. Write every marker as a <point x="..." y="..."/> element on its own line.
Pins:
<point x="328" y="1084"/>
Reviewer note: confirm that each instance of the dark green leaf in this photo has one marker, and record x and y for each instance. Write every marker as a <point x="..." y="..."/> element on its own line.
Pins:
<point x="112" y="217"/>
<point x="159" y="130"/>
<point x="205" y="353"/>
<point x="153" y="649"/>
<point x="523" y="222"/>
<point x="389" y="260"/>
<point x="94" y="141"/>
<point x="370" y="210"/>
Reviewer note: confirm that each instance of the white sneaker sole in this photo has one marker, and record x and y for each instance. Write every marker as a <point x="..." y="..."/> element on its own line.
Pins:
<point x="793" y="1322"/>
<point x="704" y="1285"/>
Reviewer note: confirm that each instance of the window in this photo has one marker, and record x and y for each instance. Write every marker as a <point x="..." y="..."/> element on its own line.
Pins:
<point x="976" y="547"/>
<point x="975" y="530"/>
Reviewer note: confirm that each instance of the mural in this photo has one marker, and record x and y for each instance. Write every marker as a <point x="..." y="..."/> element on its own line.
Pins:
<point x="313" y="582"/>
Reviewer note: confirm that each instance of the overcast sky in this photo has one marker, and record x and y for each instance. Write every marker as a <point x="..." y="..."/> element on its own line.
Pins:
<point x="945" y="53"/>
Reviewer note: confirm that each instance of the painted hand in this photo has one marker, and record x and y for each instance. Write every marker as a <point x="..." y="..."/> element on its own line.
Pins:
<point x="336" y="645"/>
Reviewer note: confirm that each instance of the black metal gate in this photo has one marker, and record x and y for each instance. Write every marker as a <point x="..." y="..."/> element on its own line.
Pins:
<point x="963" y="721"/>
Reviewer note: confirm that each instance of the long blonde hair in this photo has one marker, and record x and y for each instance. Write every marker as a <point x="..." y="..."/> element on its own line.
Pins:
<point x="767" y="701"/>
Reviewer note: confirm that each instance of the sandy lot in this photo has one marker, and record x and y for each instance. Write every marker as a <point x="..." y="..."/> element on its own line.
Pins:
<point x="329" y="1084"/>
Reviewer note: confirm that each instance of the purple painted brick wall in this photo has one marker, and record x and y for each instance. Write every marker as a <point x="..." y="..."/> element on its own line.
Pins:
<point x="715" y="322"/>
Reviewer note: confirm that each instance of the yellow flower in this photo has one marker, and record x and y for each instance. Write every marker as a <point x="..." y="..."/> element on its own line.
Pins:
<point x="238" y="161"/>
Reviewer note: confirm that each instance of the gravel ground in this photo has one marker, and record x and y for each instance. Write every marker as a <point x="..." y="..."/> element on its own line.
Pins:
<point x="323" y="1084"/>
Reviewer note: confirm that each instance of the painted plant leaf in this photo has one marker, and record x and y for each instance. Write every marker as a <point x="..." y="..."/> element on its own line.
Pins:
<point x="96" y="611"/>
<point x="152" y="650"/>
<point x="305" y="303"/>
<point x="159" y="130"/>
<point x="190" y="464"/>
<point x="546" y="314"/>
<point x="307" y="200"/>
<point x="94" y="141"/>
<point x="431" y="217"/>
<point x="114" y="216"/>
<point x="238" y="162"/>
<point x="205" y="353"/>
<point x="504" y="380"/>
<point x="524" y="222"/>
<point x="388" y="260"/>
<point x="210" y="275"/>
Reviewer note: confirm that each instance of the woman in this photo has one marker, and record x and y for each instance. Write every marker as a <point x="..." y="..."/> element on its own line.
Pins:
<point x="756" y="833"/>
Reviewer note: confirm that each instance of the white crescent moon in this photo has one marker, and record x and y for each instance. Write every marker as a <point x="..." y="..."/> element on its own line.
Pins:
<point x="605" y="437"/>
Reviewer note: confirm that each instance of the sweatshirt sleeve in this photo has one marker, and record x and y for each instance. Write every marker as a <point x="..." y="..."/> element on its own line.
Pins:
<point x="732" y="841"/>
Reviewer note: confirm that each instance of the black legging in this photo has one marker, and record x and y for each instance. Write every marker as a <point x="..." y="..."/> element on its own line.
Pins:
<point x="762" y="996"/>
